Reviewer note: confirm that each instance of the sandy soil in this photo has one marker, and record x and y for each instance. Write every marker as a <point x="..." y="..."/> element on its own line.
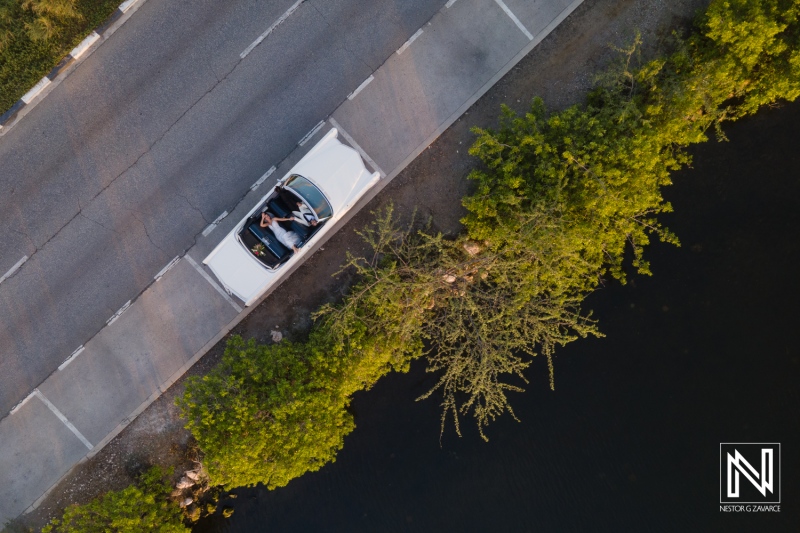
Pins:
<point x="560" y="70"/>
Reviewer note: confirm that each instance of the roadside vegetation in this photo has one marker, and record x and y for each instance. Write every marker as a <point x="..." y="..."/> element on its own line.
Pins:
<point x="36" y="34"/>
<point x="562" y="201"/>
<point x="144" y="506"/>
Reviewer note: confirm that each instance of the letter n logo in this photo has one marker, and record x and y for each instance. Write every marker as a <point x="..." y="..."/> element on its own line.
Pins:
<point x="750" y="472"/>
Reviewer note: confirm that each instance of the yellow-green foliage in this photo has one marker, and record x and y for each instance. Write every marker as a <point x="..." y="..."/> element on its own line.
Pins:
<point x="36" y="34"/>
<point x="595" y="171"/>
<point x="469" y="305"/>
<point x="144" y="506"/>
<point x="261" y="416"/>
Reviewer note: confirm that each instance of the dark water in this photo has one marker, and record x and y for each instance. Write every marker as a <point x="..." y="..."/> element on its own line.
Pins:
<point x="705" y="351"/>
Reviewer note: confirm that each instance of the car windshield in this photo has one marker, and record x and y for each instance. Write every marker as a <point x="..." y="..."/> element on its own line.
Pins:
<point x="313" y="197"/>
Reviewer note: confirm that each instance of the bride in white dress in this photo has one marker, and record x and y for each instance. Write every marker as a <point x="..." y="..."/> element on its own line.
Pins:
<point x="289" y="239"/>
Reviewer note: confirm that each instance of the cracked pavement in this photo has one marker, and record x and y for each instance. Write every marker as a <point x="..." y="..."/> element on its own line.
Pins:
<point x="159" y="131"/>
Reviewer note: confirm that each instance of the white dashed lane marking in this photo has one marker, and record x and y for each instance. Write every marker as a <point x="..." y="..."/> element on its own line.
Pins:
<point x="277" y="23"/>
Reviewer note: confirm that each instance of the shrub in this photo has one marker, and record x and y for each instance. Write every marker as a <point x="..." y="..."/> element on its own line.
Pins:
<point x="144" y="506"/>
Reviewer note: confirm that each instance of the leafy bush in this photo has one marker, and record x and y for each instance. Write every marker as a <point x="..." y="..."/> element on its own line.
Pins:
<point x="144" y="506"/>
<point x="595" y="171"/>
<point x="261" y="416"/>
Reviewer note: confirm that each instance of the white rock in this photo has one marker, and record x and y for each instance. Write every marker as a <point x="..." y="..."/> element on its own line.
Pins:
<point x="187" y="502"/>
<point x="449" y="278"/>
<point x="471" y="247"/>
<point x="277" y="336"/>
<point x="184" y="483"/>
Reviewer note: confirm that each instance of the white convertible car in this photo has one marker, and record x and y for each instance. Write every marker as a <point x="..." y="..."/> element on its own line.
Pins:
<point x="326" y="183"/>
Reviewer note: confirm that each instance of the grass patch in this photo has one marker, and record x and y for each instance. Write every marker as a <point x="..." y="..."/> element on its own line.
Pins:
<point x="36" y="34"/>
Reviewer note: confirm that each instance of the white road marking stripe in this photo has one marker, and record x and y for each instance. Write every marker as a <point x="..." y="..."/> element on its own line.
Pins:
<point x="69" y="359"/>
<point x="213" y="283"/>
<point x="213" y="225"/>
<point x="13" y="269"/>
<point x="23" y="402"/>
<point x="167" y="268"/>
<point x="449" y="3"/>
<point x="30" y="95"/>
<point x="263" y="178"/>
<point x="271" y="28"/>
<point x="63" y="419"/>
<point x="311" y="133"/>
<point x="355" y="145"/>
<point x="84" y="45"/>
<point x="360" y="87"/>
<point x="409" y="41"/>
<point x="118" y="314"/>
<point x="515" y="19"/>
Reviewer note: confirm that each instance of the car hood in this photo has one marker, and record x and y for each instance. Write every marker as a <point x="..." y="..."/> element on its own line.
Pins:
<point x="237" y="269"/>
<point x="338" y="171"/>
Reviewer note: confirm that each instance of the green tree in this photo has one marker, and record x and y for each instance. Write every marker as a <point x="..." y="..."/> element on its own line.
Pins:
<point x="144" y="506"/>
<point x="469" y="306"/>
<point x="262" y="416"/>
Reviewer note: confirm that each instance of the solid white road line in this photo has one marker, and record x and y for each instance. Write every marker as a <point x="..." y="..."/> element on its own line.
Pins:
<point x="264" y="35"/>
<point x="360" y="87"/>
<point x="118" y="314"/>
<point x="515" y="19"/>
<point x="13" y="269"/>
<point x="63" y="418"/>
<point x="213" y="283"/>
<point x="409" y="41"/>
<point x="263" y="178"/>
<point x="355" y="145"/>
<point x="167" y="268"/>
<point x="213" y="225"/>
<point x="69" y="359"/>
<point x="23" y="402"/>
<point x="311" y="133"/>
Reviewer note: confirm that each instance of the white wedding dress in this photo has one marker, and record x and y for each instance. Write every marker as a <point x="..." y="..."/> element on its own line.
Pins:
<point x="287" y="238"/>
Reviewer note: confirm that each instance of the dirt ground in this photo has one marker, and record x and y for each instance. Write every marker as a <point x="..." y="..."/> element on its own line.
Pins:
<point x="560" y="70"/>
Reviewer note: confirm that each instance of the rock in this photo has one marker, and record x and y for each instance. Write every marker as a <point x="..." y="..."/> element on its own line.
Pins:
<point x="184" y="483"/>
<point x="449" y="278"/>
<point x="191" y="474"/>
<point x="187" y="502"/>
<point x="277" y="336"/>
<point x="472" y="247"/>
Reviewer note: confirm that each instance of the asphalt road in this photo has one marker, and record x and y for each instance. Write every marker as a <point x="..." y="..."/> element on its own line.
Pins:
<point x="160" y="130"/>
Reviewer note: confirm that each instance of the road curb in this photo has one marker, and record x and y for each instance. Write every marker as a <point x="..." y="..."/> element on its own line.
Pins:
<point x="64" y="67"/>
